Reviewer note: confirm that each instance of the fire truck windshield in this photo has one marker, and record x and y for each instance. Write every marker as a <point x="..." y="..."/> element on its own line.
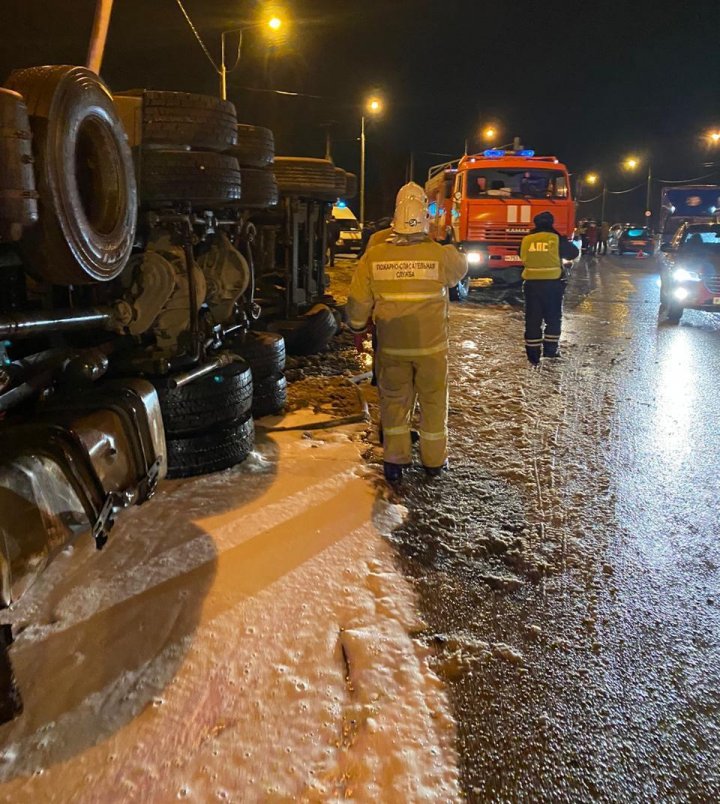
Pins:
<point x="516" y="183"/>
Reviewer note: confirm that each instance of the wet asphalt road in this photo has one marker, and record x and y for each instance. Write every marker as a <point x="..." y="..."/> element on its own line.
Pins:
<point x="569" y="564"/>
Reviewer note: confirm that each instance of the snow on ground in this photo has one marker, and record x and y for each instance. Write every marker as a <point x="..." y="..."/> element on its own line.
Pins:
<point x="243" y="637"/>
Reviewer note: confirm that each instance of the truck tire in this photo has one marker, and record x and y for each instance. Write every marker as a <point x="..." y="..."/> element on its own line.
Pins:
<point x="310" y="178"/>
<point x="351" y="182"/>
<point x="340" y="183"/>
<point x="84" y="175"/>
<point x="264" y="352"/>
<point x="221" y="397"/>
<point x="259" y="188"/>
<point x="18" y="197"/>
<point x="269" y="396"/>
<point x="200" y="179"/>
<point x="211" y="450"/>
<point x="255" y="146"/>
<point x="310" y="333"/>
<point x="186" y="119"/>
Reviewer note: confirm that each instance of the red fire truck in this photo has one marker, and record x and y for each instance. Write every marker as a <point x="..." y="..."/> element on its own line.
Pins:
<point x="487" y="202"/>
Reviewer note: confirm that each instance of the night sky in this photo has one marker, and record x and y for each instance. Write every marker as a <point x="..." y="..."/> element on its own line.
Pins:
<point x="588" y="83"/>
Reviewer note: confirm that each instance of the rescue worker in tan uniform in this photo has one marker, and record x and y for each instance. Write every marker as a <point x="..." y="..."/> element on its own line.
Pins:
<point x="403" y="285"/>
<point x="542" y="252"/>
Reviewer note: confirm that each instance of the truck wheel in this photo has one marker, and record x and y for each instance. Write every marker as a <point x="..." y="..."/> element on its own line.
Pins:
<point x="18" y="196"/>
<point x="84" y="175"/>
<point x="269" y="396"/>
<point x="255" y="146"/>
<point x="264" y="352"/>
<point x="461" y="291"/>
<point x="310" y="333"/>
<point x="200" y="179"/>
<point x="184" y="118"/>
<point x="212" y="450"/>
<point x="351" y="189"/>
<point x="221" y="397"/>
<point x="311" y="178"/>
<point x="259" y="188"/>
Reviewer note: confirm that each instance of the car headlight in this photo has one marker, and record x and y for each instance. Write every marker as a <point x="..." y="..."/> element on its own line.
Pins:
<point x="684" y="275"/>
<point x="474" y="257"/>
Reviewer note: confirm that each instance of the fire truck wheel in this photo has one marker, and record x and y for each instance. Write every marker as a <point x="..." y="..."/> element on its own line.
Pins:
<point x="461" y="291"/>
<point x="309" y="178"/>
<point x="263" y="351"/>
<point x="186" y="119"/>
<point x="259" y="188"/>
<point x="200" y="179"/>
<point x="212" y="450"/>
<point x="269" y="396"/>
<point x="255" y="146"/>
<point x="84" y="175"/>
<point x="351" y="185"/>
<point x="221" y="397"/>
<point x="310" y="333"/>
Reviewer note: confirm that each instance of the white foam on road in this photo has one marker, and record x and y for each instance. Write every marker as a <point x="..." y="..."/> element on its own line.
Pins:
<point x="244" y="637"/>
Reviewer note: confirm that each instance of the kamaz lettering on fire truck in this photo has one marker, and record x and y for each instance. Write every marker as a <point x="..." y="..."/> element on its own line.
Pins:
<point x="487" y="202"/>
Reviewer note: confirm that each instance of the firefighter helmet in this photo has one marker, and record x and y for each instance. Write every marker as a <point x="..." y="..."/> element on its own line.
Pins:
<point x="411" y="211"/>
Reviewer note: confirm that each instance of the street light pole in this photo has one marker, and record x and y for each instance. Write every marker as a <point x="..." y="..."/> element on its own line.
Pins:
<point x="647" y="194"/>
<point x="373" y="106"/>
<point x="362" y="170"/>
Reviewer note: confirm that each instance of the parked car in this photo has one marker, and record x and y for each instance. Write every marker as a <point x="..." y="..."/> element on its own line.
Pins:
<point x="635" y="240"/>
<point x="690" y="277"/>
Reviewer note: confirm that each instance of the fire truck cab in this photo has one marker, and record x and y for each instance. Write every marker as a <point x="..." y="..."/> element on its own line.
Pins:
<point x="486" y="202"/>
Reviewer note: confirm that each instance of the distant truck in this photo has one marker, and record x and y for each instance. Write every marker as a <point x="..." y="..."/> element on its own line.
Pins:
<point x="691" y="203"/>
<point x="486" y="202"/>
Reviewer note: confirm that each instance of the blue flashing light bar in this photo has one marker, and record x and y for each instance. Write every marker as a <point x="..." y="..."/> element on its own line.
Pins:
<point x="495" y="153"/>
<point x="341" y="204"/>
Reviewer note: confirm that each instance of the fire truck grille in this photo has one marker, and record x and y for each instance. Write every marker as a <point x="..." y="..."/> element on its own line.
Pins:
<point x="495" y="234"/>
<point x="712" y="282"/>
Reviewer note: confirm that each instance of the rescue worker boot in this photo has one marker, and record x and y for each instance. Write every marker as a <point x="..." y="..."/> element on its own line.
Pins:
<point x="436" y="471"/>
<point x="393" y="472"/>
<point x="550" y="349"/>
<point x="533" y="354"/>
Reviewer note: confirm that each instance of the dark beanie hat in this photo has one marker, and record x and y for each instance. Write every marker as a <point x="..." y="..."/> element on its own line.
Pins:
<point x="544" y="220"/>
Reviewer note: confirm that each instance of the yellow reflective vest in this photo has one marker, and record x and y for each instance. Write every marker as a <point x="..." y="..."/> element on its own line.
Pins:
<point x="405" y="290"/>
<point x="540" y="254"/>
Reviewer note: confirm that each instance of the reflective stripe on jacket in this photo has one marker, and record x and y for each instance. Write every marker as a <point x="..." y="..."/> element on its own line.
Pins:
<point x="404" y="289"/>
<point x="540" y="254"/>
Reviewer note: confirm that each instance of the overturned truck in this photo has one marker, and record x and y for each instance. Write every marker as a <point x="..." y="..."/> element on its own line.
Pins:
<point x="155" y="259"/>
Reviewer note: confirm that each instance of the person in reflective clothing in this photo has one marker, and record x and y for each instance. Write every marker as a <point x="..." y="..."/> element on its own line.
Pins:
<point x="402" y="284"/>
<point x="542" y="252"/>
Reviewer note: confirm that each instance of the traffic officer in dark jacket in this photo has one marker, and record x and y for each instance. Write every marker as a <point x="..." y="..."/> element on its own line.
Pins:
<point x="542" y="252"/>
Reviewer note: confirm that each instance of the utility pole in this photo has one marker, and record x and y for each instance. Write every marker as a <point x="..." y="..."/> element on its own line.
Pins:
<point x="362" y="170"/>
<point x="101" y="23"/>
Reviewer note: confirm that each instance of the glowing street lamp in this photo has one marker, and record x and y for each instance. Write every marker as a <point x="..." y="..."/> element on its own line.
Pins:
<point x="714" y="137"/>
<point x="271" y="26"/>
<point x="489" y="134"/>
<point x="373" y="107"/>
<point x="592" y="178"/>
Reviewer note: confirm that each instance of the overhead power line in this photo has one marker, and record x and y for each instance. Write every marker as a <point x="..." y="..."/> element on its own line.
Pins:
<point x="198" y="37"/>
